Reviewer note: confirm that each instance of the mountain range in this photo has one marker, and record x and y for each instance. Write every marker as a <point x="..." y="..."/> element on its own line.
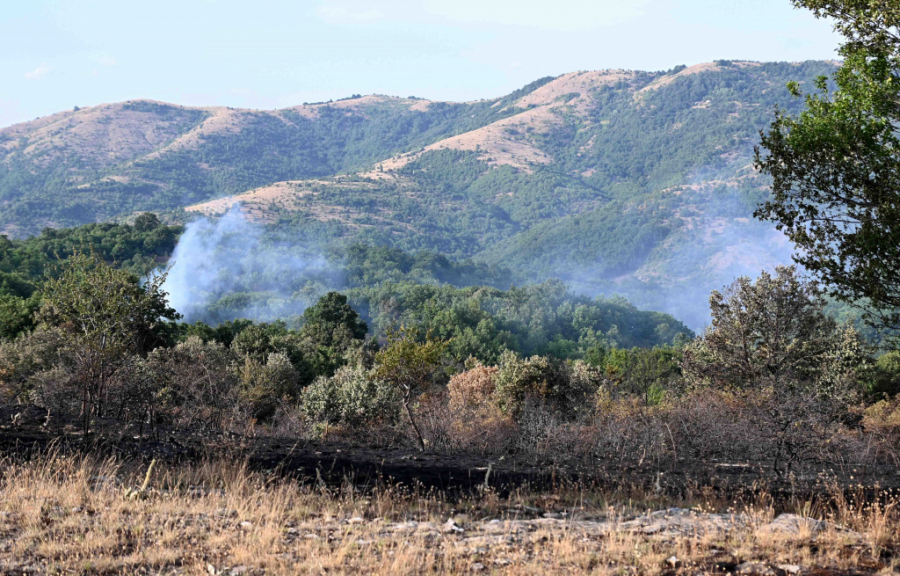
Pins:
<point x="640" y="183"/>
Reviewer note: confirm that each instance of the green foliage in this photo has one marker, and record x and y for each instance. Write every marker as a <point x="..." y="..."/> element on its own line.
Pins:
<point x="886" y="376"/>
<point x="265" y="384"/>
<point x="107" y="318"/>
<point x="352" y="397"/>
<point x="409" y="365"/>
<point x="332" y="328"/>
<point x="23" y="359"/>
<point x="836" y="166"/>
<point x="537" y="319"/>
<point x="25" y="264"/>
<point x="773" y="333"/>
<point x="537" y="377"/>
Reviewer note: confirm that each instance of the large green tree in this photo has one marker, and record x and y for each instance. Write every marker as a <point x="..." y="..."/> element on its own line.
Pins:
<point x="836" y="166"/>
<point x="107" y="317"/>
<point x="331" y="327"/>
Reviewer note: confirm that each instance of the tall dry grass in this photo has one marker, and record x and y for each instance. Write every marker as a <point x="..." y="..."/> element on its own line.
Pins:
<point x="82" y="515"/>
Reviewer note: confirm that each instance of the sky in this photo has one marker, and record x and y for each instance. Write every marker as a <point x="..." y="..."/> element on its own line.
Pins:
<point x="265" y="54"/>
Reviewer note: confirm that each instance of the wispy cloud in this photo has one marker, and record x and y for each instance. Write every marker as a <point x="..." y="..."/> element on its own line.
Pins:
<point x="106" y="60"/>
<point x="38" y="72"/>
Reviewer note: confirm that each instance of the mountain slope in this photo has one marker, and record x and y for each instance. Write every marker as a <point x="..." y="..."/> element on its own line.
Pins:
<point x="615" y="180"/>
<point x="96" y="163"/>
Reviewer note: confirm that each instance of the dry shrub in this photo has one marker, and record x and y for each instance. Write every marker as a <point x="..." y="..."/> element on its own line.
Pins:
<point x="883" y="421"/>
<point x="477" y="422"/>
<point x="196" y="384"/>
<point x="472" y="389"/>
<point x="479" y="429"/>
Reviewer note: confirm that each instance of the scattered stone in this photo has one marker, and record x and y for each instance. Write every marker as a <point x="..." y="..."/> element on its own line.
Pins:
<point x="682" y="522"/>
<point x="792" y="569"/>
<point x="355" y="520"/>
<point x="795" y="525"/>
<point x="450" y="527"/>
<point x="757" y="569"/>
<point x="478" y="567"/>
<point x="672" y="562"/>
<point x="246" y="525"/>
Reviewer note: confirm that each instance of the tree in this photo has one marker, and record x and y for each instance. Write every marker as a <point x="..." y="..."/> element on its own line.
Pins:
<point x="107" y="317"/>
<point x="146" y="222"/>
<point x="836" y="166"/>
<point x="409" y="365"/>
<point x="772" y="332"/>
<point x="771" y="343"/>
<point x="331" y="327"/>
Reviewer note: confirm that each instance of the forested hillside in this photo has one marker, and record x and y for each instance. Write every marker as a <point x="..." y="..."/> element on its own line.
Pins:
<point x="471" y="304"/>
<point x="616" y="181"/>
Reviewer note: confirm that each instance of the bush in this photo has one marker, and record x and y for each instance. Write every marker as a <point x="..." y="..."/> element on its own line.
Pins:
<point x="519" y="379"/>
<point x="264" y="385"/>
<point x="774" y="333"/>
<point x="353" y="397"/>
<point x="886" y="376"/>
<point x="22" y="359"/>
<point x="472" y="389"/>
<point x="883" y="420"/>
<point x="195" y="382"/>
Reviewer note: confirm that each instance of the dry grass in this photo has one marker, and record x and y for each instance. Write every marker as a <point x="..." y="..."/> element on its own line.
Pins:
<point x="62" y="515"/>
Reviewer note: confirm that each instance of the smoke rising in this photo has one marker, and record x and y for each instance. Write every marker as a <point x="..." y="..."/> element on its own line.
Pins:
<point x="715" y="244"/>
<point x="229" y="268"/>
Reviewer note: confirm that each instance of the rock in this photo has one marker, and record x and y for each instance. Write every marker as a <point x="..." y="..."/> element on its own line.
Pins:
<point x="672" y="561"/>
<point x="794" y="525"/>
<point x="237" y="570"/>
<point x="792" y="569"/>
<point x="757" y="569"/>
<point x="451" y="527"/>
<point x="355" y="520"/>
<point x="478" y="567"/>
<point x="246" y="525"/>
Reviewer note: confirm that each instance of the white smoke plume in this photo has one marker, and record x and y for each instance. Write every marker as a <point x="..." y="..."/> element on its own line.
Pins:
<point x="228" y="268"/>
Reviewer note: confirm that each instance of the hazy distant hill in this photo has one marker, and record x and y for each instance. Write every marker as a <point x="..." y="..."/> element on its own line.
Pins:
<point x="617" y="180"/>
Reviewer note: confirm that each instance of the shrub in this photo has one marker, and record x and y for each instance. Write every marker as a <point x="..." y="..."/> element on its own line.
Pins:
<point x="264" y="385"/>
<point x="195" y="382"/>
<point x="353" y="397"/>
<point x="886" y="376"/>
<point x="410" y="366"/>
<point x="883" y="420"/>
<point x="774" y="332"/>
<point x="25" y="357"/>
<point x="518" y="379"/>
<point x="472" y="389"/>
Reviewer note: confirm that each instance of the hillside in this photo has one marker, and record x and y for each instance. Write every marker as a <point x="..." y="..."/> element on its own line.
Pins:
<point x="616" y="181"/>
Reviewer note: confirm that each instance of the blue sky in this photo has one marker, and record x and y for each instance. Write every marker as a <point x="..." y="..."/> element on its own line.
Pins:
<point x="267" y="53"/>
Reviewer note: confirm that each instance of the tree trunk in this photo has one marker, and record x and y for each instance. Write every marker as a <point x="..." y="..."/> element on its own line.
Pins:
<point x="413" y="423"/>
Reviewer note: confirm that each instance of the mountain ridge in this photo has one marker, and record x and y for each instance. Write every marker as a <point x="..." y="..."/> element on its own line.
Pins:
<point x="616" y="180"/>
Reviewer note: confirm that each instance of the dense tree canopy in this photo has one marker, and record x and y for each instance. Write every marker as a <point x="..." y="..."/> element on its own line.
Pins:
<point x="836" y="165"/>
